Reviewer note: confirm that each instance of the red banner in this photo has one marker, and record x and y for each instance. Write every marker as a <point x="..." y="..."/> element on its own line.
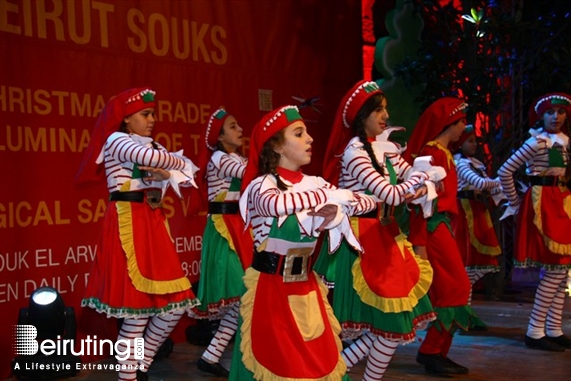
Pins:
<point x="63" y="59"/>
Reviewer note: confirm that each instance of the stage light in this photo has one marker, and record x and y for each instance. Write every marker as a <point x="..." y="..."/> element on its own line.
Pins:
<point x="53" y="321"/>
<point x="47" y="313"/>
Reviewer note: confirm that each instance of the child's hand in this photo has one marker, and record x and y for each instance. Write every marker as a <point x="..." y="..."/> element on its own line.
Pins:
<point x="556" y="171"/>
<point x="155" y="174"/>
<point x="419" y="192"/>
<point x="327" y="212"/>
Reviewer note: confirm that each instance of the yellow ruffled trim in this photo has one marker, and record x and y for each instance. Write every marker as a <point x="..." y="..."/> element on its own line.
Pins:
<point x="449" y="156"/>
<point x="218" y="221"/>
<point x="141" y="283"/>
<point x="394" y="304"/>
<point x="483" y="249"/>
<point x="247" y="306"/>
<point x="553" y="246"/>
<point x="222" y="229"/>
<point x="567" y="205"/>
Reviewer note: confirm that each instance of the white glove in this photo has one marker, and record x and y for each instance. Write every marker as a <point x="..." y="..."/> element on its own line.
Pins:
<point x="426" y="201"/>
<point x="341" y="197"/>
<point x="424" y="164"/>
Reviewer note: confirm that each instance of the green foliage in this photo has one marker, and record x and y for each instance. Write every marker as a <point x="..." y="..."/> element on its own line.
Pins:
<point x="493" y="54"/>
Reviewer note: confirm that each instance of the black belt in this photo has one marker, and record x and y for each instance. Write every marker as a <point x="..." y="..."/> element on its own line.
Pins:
<point x="152" y="196"/>
<point x="271" y="263"/>
<point x="223" y="208"/>
<point x="471" y="195"/>
<point x="127" y="196"/>
<point x="546" y="181"/>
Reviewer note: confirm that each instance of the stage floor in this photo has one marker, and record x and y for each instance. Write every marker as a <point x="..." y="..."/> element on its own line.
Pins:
<point x="498" y="354"/>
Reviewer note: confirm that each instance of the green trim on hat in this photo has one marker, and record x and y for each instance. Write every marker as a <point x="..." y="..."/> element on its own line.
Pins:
<point x="220" y="113"/>
<point x="148" y="97"/>
<point x="292" y="115"/>
<point x="371" y="87"/>
<point x="559" y="101"/>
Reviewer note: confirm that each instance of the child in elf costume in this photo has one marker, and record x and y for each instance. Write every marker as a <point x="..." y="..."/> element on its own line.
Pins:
<point x="226" y="248"/>
<point x="287" y="329"/>
<point x="136" y="275"/>
<point x="441" y="124"/>
<point x="544" y="215"/>
<point x="473" y="227"/>
<point x="380" y="294"/>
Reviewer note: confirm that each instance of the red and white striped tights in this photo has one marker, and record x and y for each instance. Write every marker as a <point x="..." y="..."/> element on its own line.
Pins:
<point x="545" y="317"/>
<point x="154" y="330"/>
<point x="226" y="329"/>
<point x="379" y="350"/>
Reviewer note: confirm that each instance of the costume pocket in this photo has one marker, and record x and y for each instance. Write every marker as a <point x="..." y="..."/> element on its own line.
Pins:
<point x="307" y="314"/>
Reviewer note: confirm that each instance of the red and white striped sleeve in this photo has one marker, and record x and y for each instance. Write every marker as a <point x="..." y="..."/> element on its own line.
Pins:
<point x="123" y="149"/>
<point x="359" y="166"/>
<point x="467" y="173"/>
<point x="271" y="202"/>
<point x="230" y="167"/>
<point x="523" y="155"/>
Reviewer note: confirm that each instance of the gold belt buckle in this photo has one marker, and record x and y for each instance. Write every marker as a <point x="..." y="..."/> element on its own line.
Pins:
<point x="154" y="198"/>
<point x="301" y="254"/>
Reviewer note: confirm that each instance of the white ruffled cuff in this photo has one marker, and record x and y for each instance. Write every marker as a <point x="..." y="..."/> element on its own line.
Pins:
<point x="343" y="229"/>
<point x="425" y="201"/>
<point x="184" y="177"/>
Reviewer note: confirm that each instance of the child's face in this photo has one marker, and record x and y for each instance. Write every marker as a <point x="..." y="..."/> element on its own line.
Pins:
<point x="554" y="118"/>
<point x="377" y="120"/>
<point x="296" y="149"/>
<point x="470" y="146"/>
<point x="141" y="123"/>
<point x="231" y="134"/>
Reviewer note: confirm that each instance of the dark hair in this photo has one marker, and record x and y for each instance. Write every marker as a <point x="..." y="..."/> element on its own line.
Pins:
<point x="269" y="159"/>
<point x="358" y="127"/>
<point x="123" y="127"/>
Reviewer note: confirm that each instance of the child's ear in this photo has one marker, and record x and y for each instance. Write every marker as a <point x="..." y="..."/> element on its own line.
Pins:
<point x="279" y="150"/>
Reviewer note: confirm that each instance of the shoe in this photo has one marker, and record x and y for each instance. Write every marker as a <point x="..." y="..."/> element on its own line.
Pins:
<point x="545" y="344"/>
<point x="142" y="376"/>
<point x="562" y="340"/>
<point x="478" y="328"/>
<point x="459" y="368"/>
<point x="215" y="369"/>
<point x="438" y="364"/>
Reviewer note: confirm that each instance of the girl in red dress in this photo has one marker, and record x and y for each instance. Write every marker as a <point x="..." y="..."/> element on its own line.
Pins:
<point x="287" y="328"/>
<point x="136" y="275"/>
<point x="473" y="227"/>
<point x="544" y="218"/>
